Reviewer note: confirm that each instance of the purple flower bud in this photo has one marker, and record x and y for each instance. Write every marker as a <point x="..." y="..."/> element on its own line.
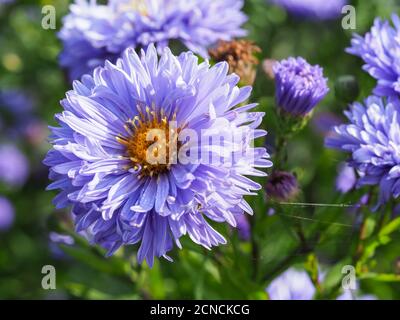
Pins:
<point x="299" y="86"/>
<point x="282" y="186"/>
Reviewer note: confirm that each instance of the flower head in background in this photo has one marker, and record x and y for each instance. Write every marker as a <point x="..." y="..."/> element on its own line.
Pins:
<point x="94" y="32"/>
<point x="90" y="36"/>
<point x="313" y="9"/>
<point x="291" y="285"/>
<point x="380" y="50"/>
<point x="299" y="86"/>
<point x="282" y="186"/>
<point x="114" y="120"/>
<point x="296" y="284"/>
<point x="16" y="102"/>
<point x="373" y="140"/>
<point x="241" y="57"/>
<point x="14" y="167"/>
<point x="6" y="214"/>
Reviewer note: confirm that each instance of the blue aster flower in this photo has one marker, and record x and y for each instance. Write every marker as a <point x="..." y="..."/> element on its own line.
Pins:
<point x="380" y="50"/>
<point x="373" y="140"/>
<point x="299" y="86"/>
<point x="313" y="9"/>
<point x="90" y="35"/>
<point x="93" y="32"/>
<point x="102" y="152"/>
<point x="7" y="214"/>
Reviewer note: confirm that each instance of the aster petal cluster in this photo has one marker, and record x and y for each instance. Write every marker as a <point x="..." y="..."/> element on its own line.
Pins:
<point x="299" y="86"/>
<point x="313" y="9"/>
<point x="93" y="32"/>
<point x="372" y="137"/>
<point x="119" y="198"/>
<point x="380" y="50"/>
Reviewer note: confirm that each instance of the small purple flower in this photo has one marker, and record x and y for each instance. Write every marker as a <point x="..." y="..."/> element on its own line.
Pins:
<point x="92" y="32"/>
<point x="14" y="167"/>
<point x="373" y="140"/>
<point x="282" y="186"/>
<point x="291" y="285"/>
<point x="100" y="163"/>
<point x="346" y="179"/>
<point x="313" y="9"/>
<point x="380" y="50"/>
<point x="299" y="86"/>
<point x="6" y="214"/>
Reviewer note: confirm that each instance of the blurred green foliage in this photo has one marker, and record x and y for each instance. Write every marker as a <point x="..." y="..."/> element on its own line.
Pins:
<point x="324" y="238"/>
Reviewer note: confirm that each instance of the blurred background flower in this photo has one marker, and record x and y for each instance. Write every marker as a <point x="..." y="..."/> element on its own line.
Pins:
<point x="313" y="9"/>
<point x="346" y="179"/>
<point x="95" y="32"/>
<point x="6" y="214"/>
<point x="291" y="285"/>
<point x="14" y="167"/>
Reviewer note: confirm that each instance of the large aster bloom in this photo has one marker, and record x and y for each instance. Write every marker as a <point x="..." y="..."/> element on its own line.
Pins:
<point x="380" y="50"/>
<point x="313" y="9"/>
<point x="299" y="86"/>
<point x="373" y="139"/>
<point x="93" y="32"/>
<point x="100" y="156"/>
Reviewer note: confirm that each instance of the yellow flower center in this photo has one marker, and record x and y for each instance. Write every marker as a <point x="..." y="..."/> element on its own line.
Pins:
<point x="152" y="142"/>
<point x="134" y="5"/>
